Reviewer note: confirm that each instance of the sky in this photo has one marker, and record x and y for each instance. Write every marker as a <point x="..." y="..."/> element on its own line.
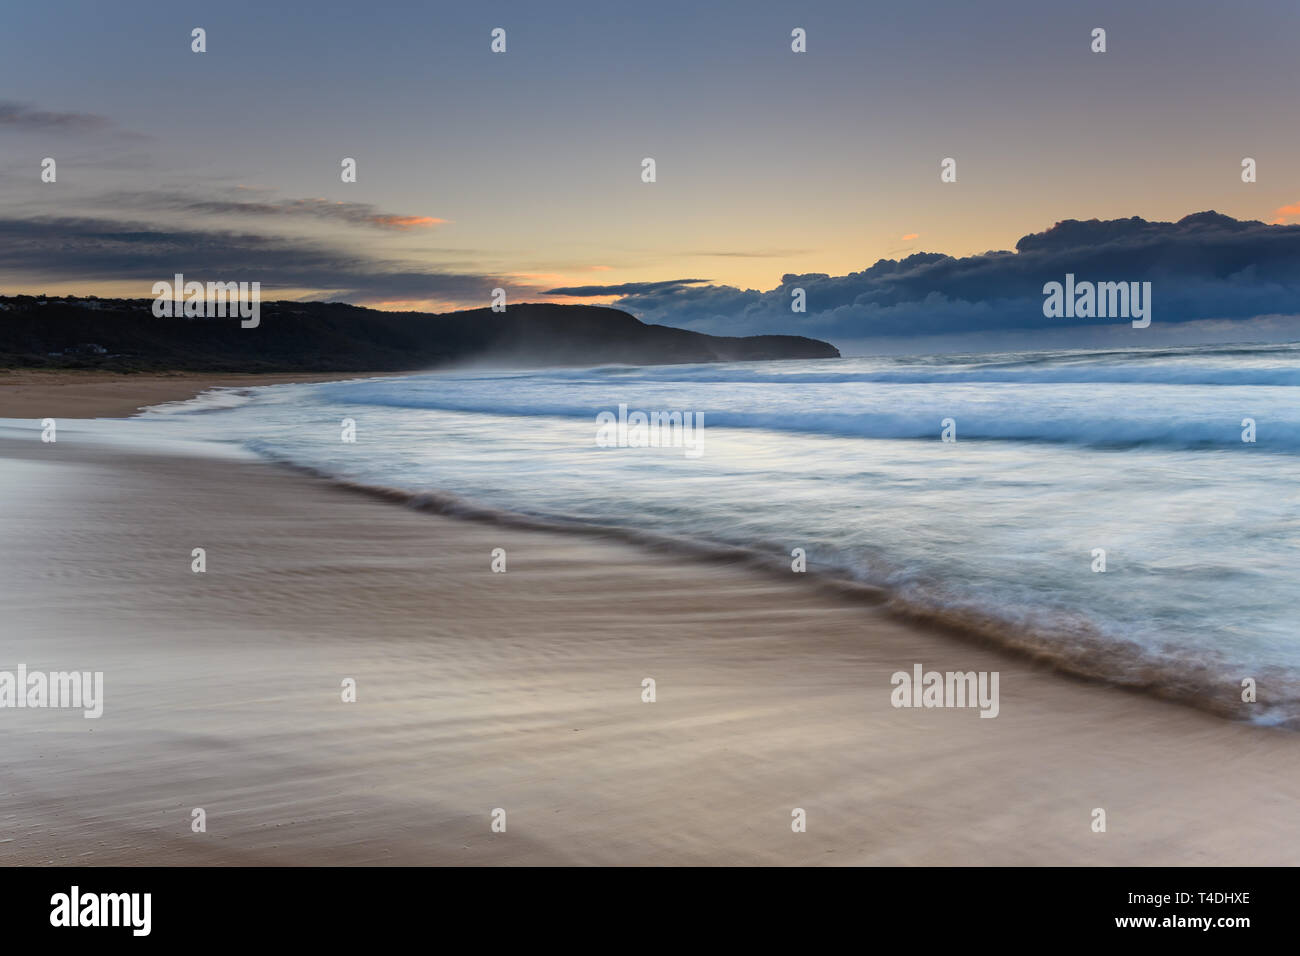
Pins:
<point x="523" y="169"/>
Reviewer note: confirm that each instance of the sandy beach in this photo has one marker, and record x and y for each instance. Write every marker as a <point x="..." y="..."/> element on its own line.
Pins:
<point x="523" y="691"/>
<point x="57" y="393"/>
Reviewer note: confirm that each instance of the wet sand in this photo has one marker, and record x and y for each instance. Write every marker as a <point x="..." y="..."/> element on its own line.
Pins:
<point x="60" y="393"/>
<point x="523" y="691"/>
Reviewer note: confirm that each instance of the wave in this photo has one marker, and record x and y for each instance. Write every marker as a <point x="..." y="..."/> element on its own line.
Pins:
<point x="1135" y="375"/>
<point x="1268" y="365"/>
<point x="1070" y="644"/>
<point x="1109" y="424"/>
<point x="217" y="399"/>
<point x="1274" y="376"/>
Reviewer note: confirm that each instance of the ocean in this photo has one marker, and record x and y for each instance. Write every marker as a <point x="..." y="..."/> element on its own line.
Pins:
<point x="999" y="533"/>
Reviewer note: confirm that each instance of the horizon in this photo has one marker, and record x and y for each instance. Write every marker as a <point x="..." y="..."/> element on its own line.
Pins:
<point x="1209" y="309"/>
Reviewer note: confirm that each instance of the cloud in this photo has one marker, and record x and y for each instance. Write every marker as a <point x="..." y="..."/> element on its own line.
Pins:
<point x="1283" y="213"/>
<point x="910" y="236"/>
<point x="347" y="213"/>
<point x="21" y="116"/>
<point x="624" y="288"/>
<point x="404" y="222"/>
<point x="95" y="251"/>
<point x="1204" y="266"/>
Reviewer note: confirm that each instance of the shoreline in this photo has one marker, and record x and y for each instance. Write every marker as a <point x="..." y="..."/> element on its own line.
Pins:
<point x="1200" y="687"/>
<point x="90" y="393"/>
<point x="1071" y="656"/>
<point x="523" y="691"/>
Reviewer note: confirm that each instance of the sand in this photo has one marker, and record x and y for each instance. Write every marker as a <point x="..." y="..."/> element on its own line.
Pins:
<point x="59" y="393"/>
<point x="523" y="691"/>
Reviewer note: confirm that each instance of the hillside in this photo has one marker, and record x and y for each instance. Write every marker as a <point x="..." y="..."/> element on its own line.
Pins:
<point x="124" y="335"/>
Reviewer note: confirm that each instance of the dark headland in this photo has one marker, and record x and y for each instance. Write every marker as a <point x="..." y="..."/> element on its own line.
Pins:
<point x="125" y="335"/>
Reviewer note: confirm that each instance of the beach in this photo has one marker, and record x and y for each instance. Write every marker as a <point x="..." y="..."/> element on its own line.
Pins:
<point x="523" y="691"/>
<point x="61" y="393"/>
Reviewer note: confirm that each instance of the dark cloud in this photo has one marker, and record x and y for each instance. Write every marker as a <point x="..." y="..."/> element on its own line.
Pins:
<point x="348" y="213"/>
<point x="21" y="116"/>
<point x="1203" y="266"/>
<point x="94" y="250"/>
<point x="624" y="288"/>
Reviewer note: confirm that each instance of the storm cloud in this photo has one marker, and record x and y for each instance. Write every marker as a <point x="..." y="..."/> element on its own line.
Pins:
<point x="1205" y="266"/>
<point x="94" y="250"/>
